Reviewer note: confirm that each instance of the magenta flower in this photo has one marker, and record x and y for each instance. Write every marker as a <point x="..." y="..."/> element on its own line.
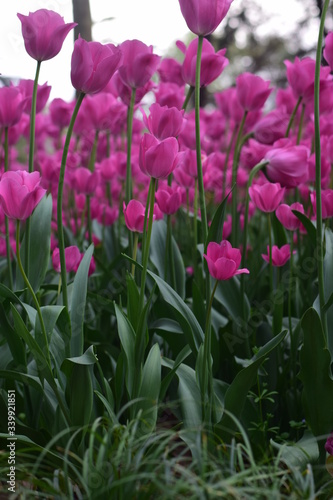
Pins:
<point x="170" y="71"/>
<point x="61" y="112"/>
<point x="301" y="75"/>
<point x="272" y="126"/>
<point x="279" y="255"/>
<point x="43" y="93"/>
<point x="12" y="103"/>
<point x="44" y="32"/>
<point x="20" y="193"/>
<point x="203" y="16"/>
<point x="169" y="199"/>
<point x="72" y="258"/>
<point x="287" y="218"/>
<point x="212" y="63"/>
<point x="328" y="49"/>
<point x="288" y="165"/>
<point x="266" y="197"/>
<point x="252" y="91"/>
<point x="84" y="181"/>
<point x="329" y="444"/>
<point x="134" y="214"/>
<point x="158" y="158"/>
<point x="163" y="122"/>
<point x="139" y="63"/>
<point x="326" y="203"/>
<point x="223" y="261"/>
<point x="93" y="65"/>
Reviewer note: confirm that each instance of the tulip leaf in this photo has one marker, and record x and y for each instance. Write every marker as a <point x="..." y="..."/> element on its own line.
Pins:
<point x="158" y="250"/>
<point x="236" y="394"/>
<point x="309" y="226"/>
<point x="39" y="247"/>
<point x="190" y="326"/>
<point x="78" y="303"/>
<point x="299" y="454"/>
<point x="127" y="339"/>
<point x="150" y="390"/>
<point x="315" y="374"/>
<point x="15" y="343"/>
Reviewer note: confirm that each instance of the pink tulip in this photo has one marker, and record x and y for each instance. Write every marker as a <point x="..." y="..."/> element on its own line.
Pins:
<point x="204" y="16"/>
<point x="287" y="218"/>
<point x="287" y="165"/>
<point x="326" y="203"/>
<point x="169" y="199"/>
<point x="223" y="260"/>
<point x="328" y="49"/>
<point x="212" y="63"/>
<point x="139" y="63"/>
<point x="266" y="197"/>
<point x="124" y="91"/>
<point x="158" y="158"/>
<point x="93" y="65"/>
<point x="12" y="103"/>
<point x="84" y="181"/>
<point x="170" y="71"/>
<point x="252" y="91"/>
<point x="272" y="126"/>
<point x="301" y="74"/>
<point x="279" y="255"/>
<point x="170" y="94"/>
<point x="43" y="93"/>
<point x="134" y="214"/>
<point x="44" y="32"/>
<point x="61" y="112"/>
<point x="72" y="258"/>
<point x="329" y="444"/>
<point x="163" y="122"/>
<point x="20" y="193"/>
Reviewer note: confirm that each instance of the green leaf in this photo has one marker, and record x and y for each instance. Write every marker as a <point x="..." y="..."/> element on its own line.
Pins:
<point x="315" y="374"/>
<point x="78" y="303"/>
<point x="309" y="226"/>
<point x="300" y="454"/>
<point x="228" y="293"/>
<point x="237" y="392"/>
<point x="150" y="390"/>
<point x="40" y="240"/>
<point x="157" y="255"/>
<point x="127" y="339"/>
<point x="80" y="387"/>
<point x="14" y="341"/>
<point x="133" y="295"/>
<point x="191" y="328"/>
<point x="216" y="226"/>
<point x="184" y="353"/>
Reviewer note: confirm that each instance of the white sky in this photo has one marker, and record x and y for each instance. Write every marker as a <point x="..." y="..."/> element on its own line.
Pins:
<point x="155" y="22"/>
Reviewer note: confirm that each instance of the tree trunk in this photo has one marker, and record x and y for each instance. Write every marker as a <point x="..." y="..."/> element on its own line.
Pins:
<point x="82" y="16"/>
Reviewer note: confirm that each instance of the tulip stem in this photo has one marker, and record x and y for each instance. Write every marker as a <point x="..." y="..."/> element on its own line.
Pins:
<point x="292" y="116"/>
<point x="28" y="285"/>
<point x="188" y="97"/>
<point x="135" y="251"/>
<point x="237" y="150"/>
<point x="8" y="249"/>
<point x="319" y="243"/>
<point x="61" y="242"/>
<point x="145" y="249"/>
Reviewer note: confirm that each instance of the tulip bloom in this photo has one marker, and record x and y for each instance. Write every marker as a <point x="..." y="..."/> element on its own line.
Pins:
<point x="328" y="49"/>
<point x="134" y="214"/>
<point x="93" y="65"/>
<point x="329" y="444"/>
<point x="266" y="197"/>
<point x="326" y="203"/>
<point x="287" y="165"/>
<point x="301" y="76"/>
<point x="44" y="32"/>
<point x="223" y="260"/>
<point x="12" y="103"/>
<point x="43" y="93"/>
<point x="20" y="193"/>
<point x="252" y="91"/>
<point x="169" y="199"/>
<point x="203" y="16"/>
<point x="287" y="218"/>
<point x="72" y="258"/>
<point x="212" y="63"/>
<point x="158" y="158"/>
<point x="139" y="63"/>
<point x="279" y="255"/>
<point x="163" y="122"/>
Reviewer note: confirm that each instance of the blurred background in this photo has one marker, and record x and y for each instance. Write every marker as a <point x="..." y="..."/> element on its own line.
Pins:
<point x="259" y="35"/>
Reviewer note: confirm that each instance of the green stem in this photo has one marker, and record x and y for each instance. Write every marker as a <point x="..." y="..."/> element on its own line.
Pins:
<point x="225" y="168"/>
<point x="195" y="231"/>
<point x="237" y="150"/>
<point x="188" y="97"/>
<point x="93" y="153"/>
<point x="319" y="243"/>
<point x="135" y="250"/>
<point x="146" y="246"/>
<point x="270" y="253"/>
<point x="89" y="223"/>
<point x="169" y="257"/>
<point x="130" y="113"/>
<point x="300" y="127"/>
<point x="207" y="374"/>
<point x="34" y="298"/>
<point x="292" y="117"/>
<point x="8" y="249"/>
<point x="31" y="161"/>
<point x="61" y="242"/>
